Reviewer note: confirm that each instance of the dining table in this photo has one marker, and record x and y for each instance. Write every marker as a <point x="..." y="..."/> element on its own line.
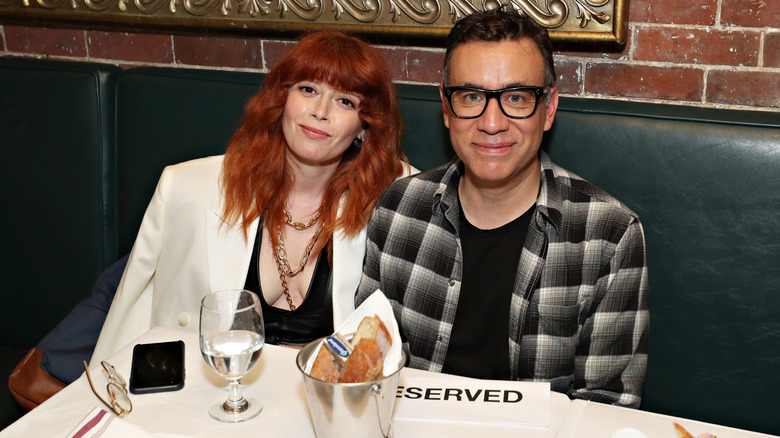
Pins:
<point x="278" y="384"/>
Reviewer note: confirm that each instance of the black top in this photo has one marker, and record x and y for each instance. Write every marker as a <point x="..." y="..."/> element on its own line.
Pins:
<point x="479" y="342"/>
<point x="312" y="319"/>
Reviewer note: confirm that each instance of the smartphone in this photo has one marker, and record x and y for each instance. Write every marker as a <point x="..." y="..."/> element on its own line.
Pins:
<point x="157" y="367"/>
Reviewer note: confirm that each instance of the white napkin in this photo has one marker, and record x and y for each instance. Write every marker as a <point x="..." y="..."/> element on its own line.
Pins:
<point x="105" y="424"/>
<point x="376" y="304"/>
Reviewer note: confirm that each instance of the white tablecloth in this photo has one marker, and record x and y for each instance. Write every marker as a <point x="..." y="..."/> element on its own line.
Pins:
<point x="277" y="383"/>
<point x="589" y="419"/>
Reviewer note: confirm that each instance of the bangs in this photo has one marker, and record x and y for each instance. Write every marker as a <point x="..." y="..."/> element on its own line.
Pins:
<point x="343" y="64"/>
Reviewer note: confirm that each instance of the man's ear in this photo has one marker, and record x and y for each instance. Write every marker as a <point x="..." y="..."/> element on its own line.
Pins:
<point x="445" y="109"/>
<point x="550" y="108"/>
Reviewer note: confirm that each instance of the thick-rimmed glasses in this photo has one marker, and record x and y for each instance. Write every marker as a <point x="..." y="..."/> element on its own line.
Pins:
<point x="117" y="390"/>
<point x="515" y="102"/>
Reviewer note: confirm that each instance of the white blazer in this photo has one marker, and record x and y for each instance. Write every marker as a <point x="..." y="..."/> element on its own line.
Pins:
<point x="184" y="250"/>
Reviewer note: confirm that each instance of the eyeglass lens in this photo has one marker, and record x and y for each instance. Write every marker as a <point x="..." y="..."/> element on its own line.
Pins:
<point x="119" y="397"/>
<point x="514" y="103"/>
<point x="113" y="374"/>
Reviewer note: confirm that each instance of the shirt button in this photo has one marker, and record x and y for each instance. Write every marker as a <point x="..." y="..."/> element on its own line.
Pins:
<point x="438" y="338"/>
<point x="184" y="319"/>
<point x="451" y="282"/>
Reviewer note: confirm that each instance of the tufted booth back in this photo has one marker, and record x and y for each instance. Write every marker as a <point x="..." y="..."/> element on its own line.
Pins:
<point x="84" y="145"/>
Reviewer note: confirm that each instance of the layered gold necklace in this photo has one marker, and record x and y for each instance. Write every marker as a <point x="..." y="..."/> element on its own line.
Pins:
<point x="280" y="252"/>
<point x="299" y="225"/>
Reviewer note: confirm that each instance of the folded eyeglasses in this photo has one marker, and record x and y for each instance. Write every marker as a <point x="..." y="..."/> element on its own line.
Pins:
<point x="117" y="390"/>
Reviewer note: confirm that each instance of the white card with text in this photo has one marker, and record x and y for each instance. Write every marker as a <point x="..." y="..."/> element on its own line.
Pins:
<point x="434" y="396"/>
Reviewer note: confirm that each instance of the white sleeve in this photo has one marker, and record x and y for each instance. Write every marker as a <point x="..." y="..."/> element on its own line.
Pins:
<point x="131" y="310"/>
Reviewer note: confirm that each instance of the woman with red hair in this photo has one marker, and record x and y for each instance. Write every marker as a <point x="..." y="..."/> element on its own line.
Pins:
<point x="282" y="213"/>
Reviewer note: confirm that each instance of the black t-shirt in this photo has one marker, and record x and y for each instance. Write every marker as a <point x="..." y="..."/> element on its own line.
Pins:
<point x="312" y="319"/>
<point x="479" y="343"/>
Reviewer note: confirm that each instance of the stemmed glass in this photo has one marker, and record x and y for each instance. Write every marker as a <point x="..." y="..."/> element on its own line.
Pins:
<point x="231" y="340"/>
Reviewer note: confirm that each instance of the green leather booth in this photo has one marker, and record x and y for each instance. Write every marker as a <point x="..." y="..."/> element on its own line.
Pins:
<point x="58" y="220"/>
<point x="84" y="144"/>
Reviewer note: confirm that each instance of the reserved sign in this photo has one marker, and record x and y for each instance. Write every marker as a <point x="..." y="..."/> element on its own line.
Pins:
<point x="435" y="396"/>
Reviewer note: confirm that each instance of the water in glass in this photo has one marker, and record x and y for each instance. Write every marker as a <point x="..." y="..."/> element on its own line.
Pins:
<point x="231" y="340"/>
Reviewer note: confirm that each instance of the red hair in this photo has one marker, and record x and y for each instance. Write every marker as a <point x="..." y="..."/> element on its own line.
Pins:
<point x="255" y="178"/>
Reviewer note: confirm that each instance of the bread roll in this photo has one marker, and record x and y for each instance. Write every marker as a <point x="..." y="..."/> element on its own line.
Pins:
<point x="365" y="362"/>
<point x="372" y="327"/>
<point x="324" y="368"/>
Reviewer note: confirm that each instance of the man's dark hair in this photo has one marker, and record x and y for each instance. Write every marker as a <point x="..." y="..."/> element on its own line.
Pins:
<point x="498" y="25"/>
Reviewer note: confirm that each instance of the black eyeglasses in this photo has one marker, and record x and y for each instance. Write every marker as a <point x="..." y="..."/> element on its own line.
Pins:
<point x="117" y="390"/>
<point x="515" y="102"/>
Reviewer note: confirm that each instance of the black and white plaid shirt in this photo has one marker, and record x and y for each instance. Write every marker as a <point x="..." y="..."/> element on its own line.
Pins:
<point x="579" y="314"/>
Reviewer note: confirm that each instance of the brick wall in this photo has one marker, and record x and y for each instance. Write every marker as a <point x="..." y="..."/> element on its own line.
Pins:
<point x="712" y="53"/>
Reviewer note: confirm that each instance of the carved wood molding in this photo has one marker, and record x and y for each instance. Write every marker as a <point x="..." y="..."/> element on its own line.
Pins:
<point x="568" y="20"/>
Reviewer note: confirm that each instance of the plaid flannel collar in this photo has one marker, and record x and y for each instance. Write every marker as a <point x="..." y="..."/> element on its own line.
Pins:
<point x="548" y="205"/>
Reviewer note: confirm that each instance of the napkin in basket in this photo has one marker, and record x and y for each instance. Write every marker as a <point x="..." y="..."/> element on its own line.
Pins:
<point x="102" y="423"/>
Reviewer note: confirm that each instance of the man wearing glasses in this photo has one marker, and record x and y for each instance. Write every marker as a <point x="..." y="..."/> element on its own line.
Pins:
<point x="500" y="264"/>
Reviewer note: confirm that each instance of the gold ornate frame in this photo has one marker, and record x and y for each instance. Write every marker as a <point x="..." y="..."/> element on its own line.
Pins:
<point x="593" y="21"/>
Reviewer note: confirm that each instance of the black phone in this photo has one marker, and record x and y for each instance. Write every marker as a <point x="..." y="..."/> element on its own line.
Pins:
<point x="157" y="367"/>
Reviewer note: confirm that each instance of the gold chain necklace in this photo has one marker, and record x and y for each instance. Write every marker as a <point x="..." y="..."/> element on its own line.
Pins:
<point x="280" y="255"/>
<point x="299" y="225"/>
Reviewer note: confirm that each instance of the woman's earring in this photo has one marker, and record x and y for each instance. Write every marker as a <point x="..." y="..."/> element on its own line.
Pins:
<point x="357" y="142"/>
